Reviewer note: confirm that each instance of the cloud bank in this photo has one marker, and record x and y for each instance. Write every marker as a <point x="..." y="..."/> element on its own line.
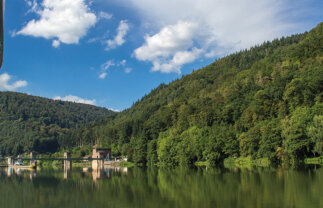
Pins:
<point x="5" y="85"/>
<point x="65" y="21"/>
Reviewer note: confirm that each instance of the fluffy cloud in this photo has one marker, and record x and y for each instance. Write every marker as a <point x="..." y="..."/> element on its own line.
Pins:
<point x="118" y="40"/>
<point x="72" y="98"/>
<point x="171" y="48"/>
<point x="5" y="85"/>
<point x="178" y="60"/>
<point x="216" y="27"/>
<point x="66" y="21"/>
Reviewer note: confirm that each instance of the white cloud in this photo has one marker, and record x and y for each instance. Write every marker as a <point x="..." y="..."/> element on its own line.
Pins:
<point x="114" y="110"/>
<point x="33" y="5"/>
<point x="56" y="43"/>
<point x="123" y="62"/>
<point x="111" y="63"/>
<point x="72" y="98"/>
<point x="128" y="70"/>
<point x="12" y="33"/>
<point x="66" y="20"/>
<point x="105" y="15"/>
<point x="179" y="59"/>
<point x="107" y="65"/>
<point x="5" y="85"/>
<point x="217" y="27"/>
<point x="103" y="75"/>
<point x="119" y="38"/>
<point x="171" y="48"/>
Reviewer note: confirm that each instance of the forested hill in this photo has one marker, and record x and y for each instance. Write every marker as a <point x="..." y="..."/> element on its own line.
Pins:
<point x="262" y="102"/>
<point x="33" y="123"/>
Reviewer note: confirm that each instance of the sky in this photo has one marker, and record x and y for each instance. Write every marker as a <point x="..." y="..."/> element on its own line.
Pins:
<point x="110" y="53"/>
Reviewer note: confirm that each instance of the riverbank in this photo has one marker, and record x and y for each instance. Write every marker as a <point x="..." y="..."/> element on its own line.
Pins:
<point x="314" y="161"/>
<point x="265" y="162"/>
<point x="247" y="161"/>
<point x="202" y="163"/>
<point x="239" y="162"/>
<point x="126" y="164"/>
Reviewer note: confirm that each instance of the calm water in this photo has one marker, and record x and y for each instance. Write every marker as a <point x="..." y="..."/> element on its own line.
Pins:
<point x="255" y="187"/>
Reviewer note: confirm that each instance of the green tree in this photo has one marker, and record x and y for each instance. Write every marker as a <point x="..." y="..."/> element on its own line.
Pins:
<point x="294" y="131"/>
<point x="315" y="132"/>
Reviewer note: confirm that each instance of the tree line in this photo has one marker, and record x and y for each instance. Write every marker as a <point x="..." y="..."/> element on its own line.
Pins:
<point x="29" y="123"/>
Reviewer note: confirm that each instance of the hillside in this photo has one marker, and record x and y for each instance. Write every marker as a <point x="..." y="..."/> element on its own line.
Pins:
<point x="29" y="123"/>
<point x="264" y="102"/>
<point x="261" y="102"/>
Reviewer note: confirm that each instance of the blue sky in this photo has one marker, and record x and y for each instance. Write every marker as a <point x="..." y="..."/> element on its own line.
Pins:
<point x="112" y="52"/>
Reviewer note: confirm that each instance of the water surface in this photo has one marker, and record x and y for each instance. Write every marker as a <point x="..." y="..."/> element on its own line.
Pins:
<point x="181" y="187"/>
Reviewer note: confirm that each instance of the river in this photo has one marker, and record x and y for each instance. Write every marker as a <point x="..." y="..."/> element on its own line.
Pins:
<point x="154" y="188"/>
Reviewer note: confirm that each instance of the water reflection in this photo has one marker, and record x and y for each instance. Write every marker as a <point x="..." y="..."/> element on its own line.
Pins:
<point x="96" y="174"/>
<point x="181" y="187"/>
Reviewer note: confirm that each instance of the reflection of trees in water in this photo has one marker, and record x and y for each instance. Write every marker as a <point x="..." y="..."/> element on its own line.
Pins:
<point x="181" y="187"/>
<point x="260" y="187"/>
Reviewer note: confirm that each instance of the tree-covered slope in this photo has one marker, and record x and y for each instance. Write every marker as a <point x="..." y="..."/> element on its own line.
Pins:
<point x="32" y="123"/>
<point x="261" y="102"/>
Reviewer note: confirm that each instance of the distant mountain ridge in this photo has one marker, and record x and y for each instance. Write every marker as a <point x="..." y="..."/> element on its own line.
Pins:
<point x="265" y="102"/>
<point x="33" y="123"/>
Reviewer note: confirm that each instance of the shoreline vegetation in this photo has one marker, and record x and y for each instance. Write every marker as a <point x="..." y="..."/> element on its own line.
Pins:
<point x="261" y="162"/>
<point x="228" y="162"/>
<point x="247" y="161"/>
<point x="314" y="160"/>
